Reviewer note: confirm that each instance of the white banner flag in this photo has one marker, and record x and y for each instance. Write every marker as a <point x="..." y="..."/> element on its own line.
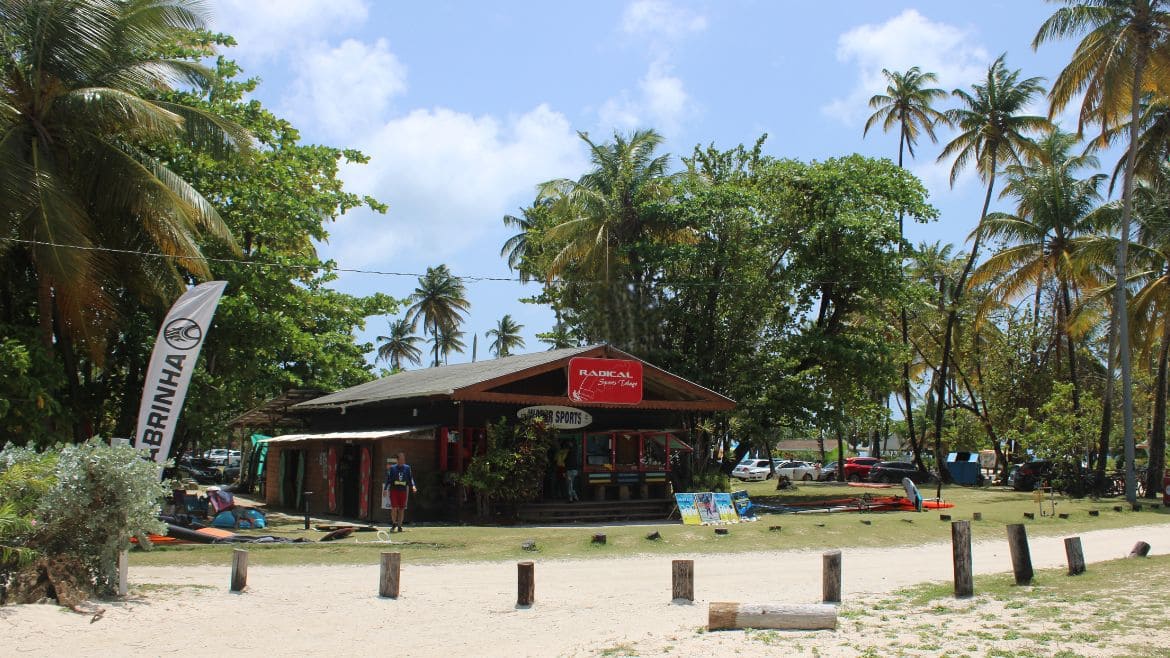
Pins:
<point x="175" y="350"/>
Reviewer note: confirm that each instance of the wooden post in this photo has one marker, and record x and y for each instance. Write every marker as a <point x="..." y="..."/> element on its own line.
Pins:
<point x="722" y="531"/>
<point x="388" y="579"/>
<point x="525" y="584"/>
<point x="1031" y="516"/>
<point x="783" y="616"/>
<point x="1076" y="556"/>
<point x="239" y="570"/>
<point x="961" y="555"/>
<point x="944" y="517"/>
<point x="682" y="580"/>
<point x="1021" y="555"/>
<point x="977" y="516"/>
<point x="831" y="577"/>
<point x="123" y="573"/>
<point x="598" y="539"/>
<point x="1094" y="512"/>
<point x="1140" y="549"/>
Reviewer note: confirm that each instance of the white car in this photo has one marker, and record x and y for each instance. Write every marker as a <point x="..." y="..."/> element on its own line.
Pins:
<point x="751" y="470"/>
<point x="794" y="471"/>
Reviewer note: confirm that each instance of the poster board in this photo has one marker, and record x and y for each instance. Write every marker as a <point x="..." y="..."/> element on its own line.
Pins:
<point x="725" y="508"/>
<point x="687" y="509"/>
<point x="709" y="508"/>
<point x="743" y="505"/>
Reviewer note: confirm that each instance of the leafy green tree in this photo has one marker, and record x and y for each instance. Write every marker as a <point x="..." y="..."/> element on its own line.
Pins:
<point x="505" y="336"/>
<point x="908" y="102"/>
<point x="400" y="346"/>
<point x="993" y="131"/>
<point x="440" y="300"/>
<point x="559" y="337"/>
<point x="512" y="468"/>
<point x="1124" y="40"/>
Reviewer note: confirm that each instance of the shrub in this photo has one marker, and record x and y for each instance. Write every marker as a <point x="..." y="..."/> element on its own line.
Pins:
<point x="86" y="508"/>
<point x="513" y="468"/>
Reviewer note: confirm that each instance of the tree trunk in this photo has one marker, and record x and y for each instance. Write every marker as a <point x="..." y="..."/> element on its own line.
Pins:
<point x="1120" y="308"/>
<point x="1158" y="434"/>
<point x="1066" y="313"/>
<point x="948" y="335"/>
<point x="1107" y="405"/>
<point x="909" y="401"/>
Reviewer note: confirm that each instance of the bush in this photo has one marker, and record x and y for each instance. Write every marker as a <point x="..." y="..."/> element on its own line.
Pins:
<point x="98" y="497"/>
<point x="716" y="481"/>
<point x="513" y="468"/>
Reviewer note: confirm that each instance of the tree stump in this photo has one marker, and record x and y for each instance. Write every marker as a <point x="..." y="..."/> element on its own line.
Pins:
<point x="775" y="528"/>
<point x="654" y="536"/>
<point x="598" y="539"/>
<point x="781" y="616"/>
<point x="682" y="580"/>
<point x="525" y="584"/>
<point x="961" y="556"/>
<point x="1021" y="554"/>
<point x="239" y="570"/>
<point x="388" y="578"/>
<point x="1094" y="512"/>
<point x="1030" y="516"/>
<point x="721" y="531"/>
<point x="1075" y="554"/>
<point x="944" y="517"/>
<point x="977" y="516"/>
<point x="831" y="577"/>
<point x="1140" y="549"/>
<point x="528" y="545"/>
<point x="1062" y="515"/>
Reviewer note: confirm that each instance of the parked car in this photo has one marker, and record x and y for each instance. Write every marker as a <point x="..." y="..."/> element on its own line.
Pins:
<point x="857" y="468"/>
<point x="794" y="470"/>
<point x="1029" y="475"/>
<point x="216" y="455"/>
<point x="892" y="472"/>
<point x="752" y="470"/>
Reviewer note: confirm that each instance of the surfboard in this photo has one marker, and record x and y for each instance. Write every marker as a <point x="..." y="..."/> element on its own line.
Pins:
<point x="912" y="493"/>
<point x="367" y="464"/>
<point x="331" y="477"/>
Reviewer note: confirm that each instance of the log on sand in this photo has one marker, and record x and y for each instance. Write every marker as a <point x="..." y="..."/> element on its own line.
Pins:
<point x="781" y="616"/>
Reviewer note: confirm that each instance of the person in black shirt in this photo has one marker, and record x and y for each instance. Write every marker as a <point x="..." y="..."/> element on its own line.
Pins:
<point x="399" y="483"/>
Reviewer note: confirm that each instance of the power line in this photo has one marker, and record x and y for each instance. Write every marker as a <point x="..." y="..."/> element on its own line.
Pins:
<point x="471" y="278"/>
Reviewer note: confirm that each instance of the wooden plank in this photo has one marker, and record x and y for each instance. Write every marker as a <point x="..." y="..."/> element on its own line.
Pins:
<point x="781" y="616"/>
<point x="239" y="569"/>
<point x="1021" y="555"/>
<point x="389" y="576"/>
<point x="682" y="580"/>
<point x="831" y="577"/>
<point x="961" y="555"/>
<point x="1076" y="556"/>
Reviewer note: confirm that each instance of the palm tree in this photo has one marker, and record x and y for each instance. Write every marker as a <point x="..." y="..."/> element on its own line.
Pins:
<point x="601" y="220"/>
<point x="505" y="336"/>
<point x="1125" y="39"/>
<point x="907" y="103"/>
<point x="517" y="247"/>
<point x="440" y="302"/>
<point x="993" y="132"/>
<point x="1054" y="210"/>
<point x="400" y="345"/>
<point x="75" y="113"/>
<point x="449" y="340"/>
<point x="558" y="338"/>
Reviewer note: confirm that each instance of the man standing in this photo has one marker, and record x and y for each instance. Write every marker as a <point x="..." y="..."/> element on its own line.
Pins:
<point x="399" y="483"/>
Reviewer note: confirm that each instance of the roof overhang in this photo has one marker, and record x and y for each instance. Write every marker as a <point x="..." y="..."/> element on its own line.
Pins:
<point x="366" y="435"/>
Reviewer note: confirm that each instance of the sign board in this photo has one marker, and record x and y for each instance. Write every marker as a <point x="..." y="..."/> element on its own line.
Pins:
<point x="564" y="418"/>
<point x="607" y="381"/>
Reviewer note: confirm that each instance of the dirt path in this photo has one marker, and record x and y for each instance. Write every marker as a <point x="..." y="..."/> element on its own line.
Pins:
<point x="583" y="607"/>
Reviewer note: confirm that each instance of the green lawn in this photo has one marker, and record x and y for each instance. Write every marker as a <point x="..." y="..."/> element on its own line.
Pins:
<point x="449" y="543"/>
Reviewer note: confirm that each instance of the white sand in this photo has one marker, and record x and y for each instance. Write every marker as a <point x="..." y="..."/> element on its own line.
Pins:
<point x="583" y="607"/>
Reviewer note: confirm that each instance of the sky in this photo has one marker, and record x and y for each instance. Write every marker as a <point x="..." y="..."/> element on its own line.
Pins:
<point x="465" y="107"/>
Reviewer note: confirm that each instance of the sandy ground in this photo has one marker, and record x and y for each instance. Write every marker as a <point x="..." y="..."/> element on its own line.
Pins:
<point x="583" y="607"/>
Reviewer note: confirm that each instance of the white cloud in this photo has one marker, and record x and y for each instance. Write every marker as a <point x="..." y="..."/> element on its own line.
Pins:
<point x="346" y="90"/>
<point x="662" y="102"/>
<point x="449" y="178"/>
<point x="909" y="39"/>
<point x="267" y="28"/>
<point x="662" y="19"/>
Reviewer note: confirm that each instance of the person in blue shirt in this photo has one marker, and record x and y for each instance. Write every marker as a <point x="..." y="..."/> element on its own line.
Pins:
<point x="399" y="483"/>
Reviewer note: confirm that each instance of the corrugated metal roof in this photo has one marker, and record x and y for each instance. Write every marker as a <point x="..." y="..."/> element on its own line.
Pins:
<point x="443" y="380"/>
<point x="368" y="435"/>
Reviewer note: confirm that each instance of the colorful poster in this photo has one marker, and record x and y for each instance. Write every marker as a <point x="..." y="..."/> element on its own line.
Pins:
<point x="743" y="505"/>
<point x="726" y="508"/>
<point x="687" y="509"/>
<point x="708" y="512"/>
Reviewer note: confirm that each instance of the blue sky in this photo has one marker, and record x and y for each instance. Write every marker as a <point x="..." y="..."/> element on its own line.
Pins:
<point x="464" y="107"/>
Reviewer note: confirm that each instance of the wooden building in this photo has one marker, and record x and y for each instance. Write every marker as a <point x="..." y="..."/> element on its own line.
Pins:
<point x="628" y="446"/>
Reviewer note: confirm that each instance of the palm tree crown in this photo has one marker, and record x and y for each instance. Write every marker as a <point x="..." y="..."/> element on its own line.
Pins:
<point x="505" y="336"/>
<point x="75" y="79"/>
<point x="440" y="300"/>
<point x="907" y="103"/>
<point x="400" y="345"/>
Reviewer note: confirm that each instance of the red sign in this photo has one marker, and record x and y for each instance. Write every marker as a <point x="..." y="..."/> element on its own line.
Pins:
<point x="608" y="381"/>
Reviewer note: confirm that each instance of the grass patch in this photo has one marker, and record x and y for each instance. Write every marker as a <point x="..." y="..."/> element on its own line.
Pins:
<point x="431" y="544"/>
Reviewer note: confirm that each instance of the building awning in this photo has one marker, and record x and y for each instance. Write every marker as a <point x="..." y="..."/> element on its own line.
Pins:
<point x="366" y="435"/>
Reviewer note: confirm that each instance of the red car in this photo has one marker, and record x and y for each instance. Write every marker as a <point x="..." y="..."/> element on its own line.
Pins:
<point x="857" y="468"/>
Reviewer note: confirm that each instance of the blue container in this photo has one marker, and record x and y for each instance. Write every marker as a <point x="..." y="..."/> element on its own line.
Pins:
<point x="964" y="468"/>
